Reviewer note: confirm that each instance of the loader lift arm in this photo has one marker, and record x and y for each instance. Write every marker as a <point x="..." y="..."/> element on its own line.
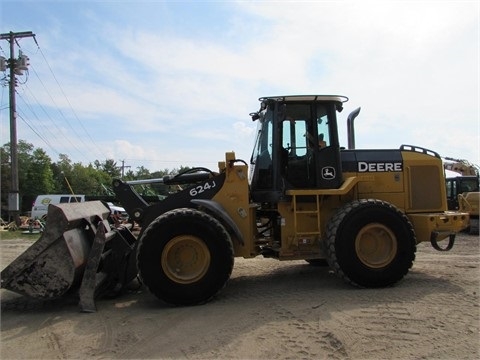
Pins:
<point x="136" y="206"/>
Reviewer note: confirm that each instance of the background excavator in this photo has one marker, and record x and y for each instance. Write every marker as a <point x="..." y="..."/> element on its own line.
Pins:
<point x="463" y="191"/>
<point x="303" y="197"/>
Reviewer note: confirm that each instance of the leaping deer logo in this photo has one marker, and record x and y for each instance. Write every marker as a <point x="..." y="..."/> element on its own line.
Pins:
<point x="328" y="172"/>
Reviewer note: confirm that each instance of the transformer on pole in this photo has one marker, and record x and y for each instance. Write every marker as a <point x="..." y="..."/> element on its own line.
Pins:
<point x="16" y="67"/>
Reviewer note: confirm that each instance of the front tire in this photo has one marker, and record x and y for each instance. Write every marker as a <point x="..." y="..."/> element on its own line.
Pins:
<point x="370" y="243"/>
<point x="185" y="257"/>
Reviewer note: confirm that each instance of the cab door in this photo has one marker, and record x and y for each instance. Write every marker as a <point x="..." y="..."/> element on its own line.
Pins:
<point x="311" y="155"/>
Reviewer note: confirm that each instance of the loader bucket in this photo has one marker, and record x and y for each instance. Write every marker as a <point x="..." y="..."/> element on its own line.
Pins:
<point x="68" y="255"/>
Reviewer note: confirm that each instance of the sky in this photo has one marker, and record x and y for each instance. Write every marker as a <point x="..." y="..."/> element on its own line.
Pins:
<point x="164" y="84"/>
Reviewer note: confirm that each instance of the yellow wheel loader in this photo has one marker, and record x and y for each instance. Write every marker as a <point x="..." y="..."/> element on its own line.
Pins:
<point x="303" y="198"/>
<point x="463" y="191"/>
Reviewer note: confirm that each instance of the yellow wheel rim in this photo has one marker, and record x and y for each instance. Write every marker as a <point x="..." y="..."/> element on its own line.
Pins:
<point x="185" y="259"/>
<point x="376" y="245"/>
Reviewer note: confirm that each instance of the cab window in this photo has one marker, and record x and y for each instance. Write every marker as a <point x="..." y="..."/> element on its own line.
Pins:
<point x="294" y="137"/>
<point x="323" y="127"/>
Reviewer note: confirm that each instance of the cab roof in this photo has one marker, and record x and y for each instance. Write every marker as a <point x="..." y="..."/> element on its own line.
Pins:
<point x="335" y="98"/>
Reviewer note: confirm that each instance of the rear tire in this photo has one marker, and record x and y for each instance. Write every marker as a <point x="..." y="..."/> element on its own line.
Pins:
<point x="185" y="257"/>
<point x="370" y="243"/>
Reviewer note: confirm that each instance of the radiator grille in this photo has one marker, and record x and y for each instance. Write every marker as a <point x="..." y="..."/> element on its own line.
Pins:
<point x="425" y="187"/>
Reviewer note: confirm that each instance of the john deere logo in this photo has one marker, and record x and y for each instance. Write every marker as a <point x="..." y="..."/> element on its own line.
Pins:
<point x="328" y="172"/>
<point x="46" y="201"/>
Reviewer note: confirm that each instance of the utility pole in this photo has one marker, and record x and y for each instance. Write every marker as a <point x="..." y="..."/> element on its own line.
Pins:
<point x="16" y="67"/>
<point x="124" y="166"/>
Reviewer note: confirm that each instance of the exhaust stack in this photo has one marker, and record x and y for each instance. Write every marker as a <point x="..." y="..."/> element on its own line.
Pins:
<point x="351" y="128"/>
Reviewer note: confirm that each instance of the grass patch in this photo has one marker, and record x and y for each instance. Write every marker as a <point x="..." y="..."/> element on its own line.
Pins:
<point x="18" y="234"/>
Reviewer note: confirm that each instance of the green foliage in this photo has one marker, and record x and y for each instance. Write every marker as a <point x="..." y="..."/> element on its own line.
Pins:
<point x="34" y="171"/>
<point x="39" y="175"/>
<point x="110" y="167"/>
<point x="4" y="170"/>
<point x="87" y="180"/>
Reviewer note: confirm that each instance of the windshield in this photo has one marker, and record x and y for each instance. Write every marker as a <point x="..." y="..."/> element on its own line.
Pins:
<point x="468" y="185"/>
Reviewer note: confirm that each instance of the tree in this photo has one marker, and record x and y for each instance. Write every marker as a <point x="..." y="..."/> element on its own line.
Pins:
<point x="40" y="174"/>
<point x="87" y="180"/>
<point x="35" y="175"/>
<point x="111" y="168"/>
<point x="24" y="157"/>
<point x="142" y="173"/>
<point x="129" y="175"/>
<point x="4" y="178"/>
<point x="62" y="171"/>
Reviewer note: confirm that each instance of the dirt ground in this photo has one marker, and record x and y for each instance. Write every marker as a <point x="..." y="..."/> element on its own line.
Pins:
<point x="269" y="310"/>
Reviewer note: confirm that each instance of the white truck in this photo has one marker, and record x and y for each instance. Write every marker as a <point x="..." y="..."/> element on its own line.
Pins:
<point x="40" y="206"/>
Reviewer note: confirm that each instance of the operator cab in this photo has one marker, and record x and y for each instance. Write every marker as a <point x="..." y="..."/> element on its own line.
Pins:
<point x="297" y="145"/>
<point x="460" y="185"/>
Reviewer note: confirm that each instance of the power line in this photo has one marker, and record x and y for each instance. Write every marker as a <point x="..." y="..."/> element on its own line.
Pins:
<point x="86" y="147"/>
<point x="60" y="131"/>
<point x="40" y="136"/>
<point x="69" y="104"/>
<point x="62" y="115"/>
<point x="33" y="128"/>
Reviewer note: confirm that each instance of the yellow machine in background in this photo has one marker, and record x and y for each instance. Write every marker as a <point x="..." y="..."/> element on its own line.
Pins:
<point x="463" y="192"/>
<point x="303" y="197"/>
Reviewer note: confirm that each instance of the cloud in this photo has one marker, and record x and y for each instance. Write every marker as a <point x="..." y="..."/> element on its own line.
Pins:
<point x="178" y="84"/>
